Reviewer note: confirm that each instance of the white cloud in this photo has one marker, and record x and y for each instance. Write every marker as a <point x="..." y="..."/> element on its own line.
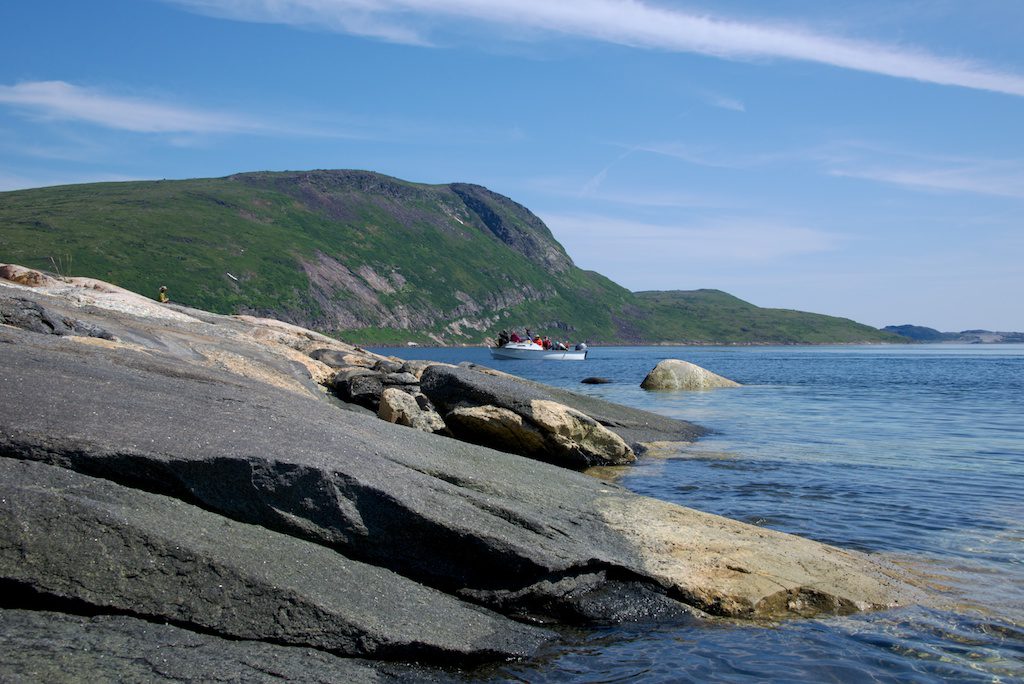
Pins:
<point x="982" y="180"/>
<point x="61" y="101"/>
<point x="943" y="173"/>
<point x="624" y="22"/>
<point x="741" y="239"/>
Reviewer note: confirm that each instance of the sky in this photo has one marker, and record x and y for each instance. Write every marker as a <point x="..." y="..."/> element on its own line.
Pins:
<point x="862" y="158"/>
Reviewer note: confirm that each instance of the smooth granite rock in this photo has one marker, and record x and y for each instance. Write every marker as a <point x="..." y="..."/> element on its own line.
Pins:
<point x="673" y="374"/>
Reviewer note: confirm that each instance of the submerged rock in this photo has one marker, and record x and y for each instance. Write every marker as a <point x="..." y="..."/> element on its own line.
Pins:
<point x="673" y="374"/>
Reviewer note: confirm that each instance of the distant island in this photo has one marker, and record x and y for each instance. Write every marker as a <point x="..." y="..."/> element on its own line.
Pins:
<point x="371" y="259"/>
<point x="918" y="333"/>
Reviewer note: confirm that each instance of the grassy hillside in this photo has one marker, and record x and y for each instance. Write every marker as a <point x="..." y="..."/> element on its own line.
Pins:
<point x="370" y="258"/>
<point x="713" y="316"/>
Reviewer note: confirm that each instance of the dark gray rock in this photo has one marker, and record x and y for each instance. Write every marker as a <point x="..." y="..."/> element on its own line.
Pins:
<point x="398" y="379"/>
<point x="416" y="367"/>
<point x="450" y="387"/>
<point x="73" y="538"/>
<point x="345" y="385"/>
<point x="44" y="646"/>
<point x="388" y="366"/>
<point x="27" y="314"/>
<point x="365" y="390"/>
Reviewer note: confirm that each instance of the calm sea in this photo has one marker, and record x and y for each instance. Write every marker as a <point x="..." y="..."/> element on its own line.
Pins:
<point x="915" y="453"/>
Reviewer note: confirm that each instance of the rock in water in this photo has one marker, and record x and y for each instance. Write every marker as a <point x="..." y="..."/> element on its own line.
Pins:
<point x="673" y="374"/>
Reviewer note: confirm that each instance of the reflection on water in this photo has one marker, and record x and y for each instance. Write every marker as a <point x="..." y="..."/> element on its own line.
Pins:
<point x="915" y="453"/>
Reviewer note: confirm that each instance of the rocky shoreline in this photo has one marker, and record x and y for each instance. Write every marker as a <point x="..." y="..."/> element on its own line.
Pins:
<point x="232" y="494"/>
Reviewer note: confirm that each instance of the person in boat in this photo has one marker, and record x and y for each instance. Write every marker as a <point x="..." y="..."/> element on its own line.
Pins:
<point x="539" y="341"/>
<point x="562" y="346"/>
<point x="503" y="338"/>
<point x="514" y="337"/>
<point x="546" y="343"/>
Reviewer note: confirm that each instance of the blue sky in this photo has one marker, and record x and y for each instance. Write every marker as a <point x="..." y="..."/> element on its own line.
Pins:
<point x="861" y="159"/>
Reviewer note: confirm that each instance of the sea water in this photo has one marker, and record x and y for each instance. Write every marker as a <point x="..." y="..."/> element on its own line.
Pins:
<point x="912" y="452"/>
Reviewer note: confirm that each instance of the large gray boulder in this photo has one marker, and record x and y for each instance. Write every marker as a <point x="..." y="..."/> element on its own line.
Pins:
<point x="468" y="385"/>
<point x="673" y="374"/>
<point x="547" y="431"/>
<point x="86" y="541"/>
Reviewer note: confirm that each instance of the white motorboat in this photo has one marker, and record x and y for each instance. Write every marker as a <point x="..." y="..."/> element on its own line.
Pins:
<point x="529" y="350"/>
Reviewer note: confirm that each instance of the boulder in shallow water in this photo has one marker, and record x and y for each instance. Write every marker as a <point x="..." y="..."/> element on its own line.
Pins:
<point x="673" y="374"/>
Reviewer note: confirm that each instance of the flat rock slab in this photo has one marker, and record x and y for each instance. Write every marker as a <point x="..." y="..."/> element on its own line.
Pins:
<point x="44" y="646"/>
<point x="72" y="537"/>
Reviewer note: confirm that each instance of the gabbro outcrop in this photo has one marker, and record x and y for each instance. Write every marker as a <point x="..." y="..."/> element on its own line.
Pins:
<point x="195" y="470"/>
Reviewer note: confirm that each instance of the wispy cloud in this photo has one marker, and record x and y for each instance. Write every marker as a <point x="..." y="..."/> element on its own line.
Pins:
<point x="941" y="173"/>
<point x="702" y="156"/>
<point x="723" y="101"/>
<point x="738" y="239"/>
<point x="61" y="101"/>
<point x="624" y="22"/>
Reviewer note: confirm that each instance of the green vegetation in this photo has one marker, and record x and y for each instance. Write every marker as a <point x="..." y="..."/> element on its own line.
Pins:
<point x="700" y="316"/>
<point x="368" y="258"/>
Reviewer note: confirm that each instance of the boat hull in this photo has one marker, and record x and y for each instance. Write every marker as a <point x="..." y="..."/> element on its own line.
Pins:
<point x="524" y="353"/>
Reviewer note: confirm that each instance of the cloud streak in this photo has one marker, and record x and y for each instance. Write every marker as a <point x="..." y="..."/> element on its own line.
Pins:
<point x="61" y="101"/>
<point x="740" y="239"/>
<point x="623" y="22"/>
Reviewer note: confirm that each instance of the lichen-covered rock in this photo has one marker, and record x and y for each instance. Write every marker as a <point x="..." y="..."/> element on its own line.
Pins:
<point x="673" y="374"/>
<point x="398" y="406"/>
<point x="577" y="435"/>
<point x="547" y="431"/>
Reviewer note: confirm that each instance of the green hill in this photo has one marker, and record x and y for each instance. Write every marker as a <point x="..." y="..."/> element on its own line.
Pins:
<point x="367" y="257"/>
<point x="699" y="316"/>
